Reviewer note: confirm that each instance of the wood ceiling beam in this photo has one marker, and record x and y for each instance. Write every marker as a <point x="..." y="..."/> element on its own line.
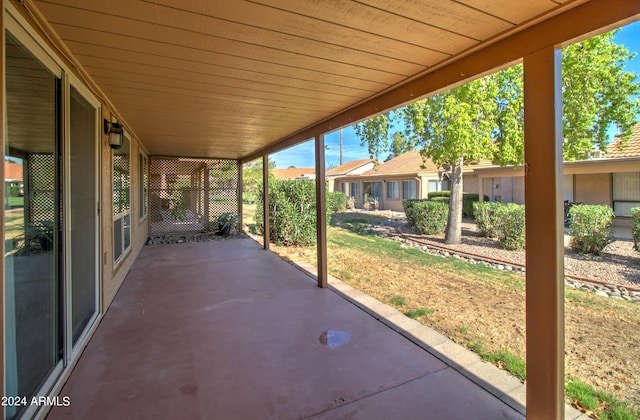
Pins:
<point x="578" y="23"/>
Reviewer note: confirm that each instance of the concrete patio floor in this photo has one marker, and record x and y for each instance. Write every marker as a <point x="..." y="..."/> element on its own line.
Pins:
<point x="226" y="330"/>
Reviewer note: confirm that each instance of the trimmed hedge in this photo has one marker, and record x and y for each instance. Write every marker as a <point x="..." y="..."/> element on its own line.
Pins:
<point x="635" y="227"/>
<point x="292" y="211"/>
<point x="428" y="217"/>
<point x="484" y="213"/>
<point x="504" y="221"/>
<point x="467" y="200"/>
<point x="434" y="194"/>
<point x="590" y="227"/>
<point x="440" y="199"/>
<point x="508" y="220"/>
<point x="408" y="205"/>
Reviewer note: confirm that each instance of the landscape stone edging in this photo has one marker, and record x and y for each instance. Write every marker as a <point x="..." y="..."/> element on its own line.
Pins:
<point x="612" y="291"/>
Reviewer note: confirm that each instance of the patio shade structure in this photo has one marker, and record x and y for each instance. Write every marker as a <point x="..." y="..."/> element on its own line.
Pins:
<point x="243" y="79"/>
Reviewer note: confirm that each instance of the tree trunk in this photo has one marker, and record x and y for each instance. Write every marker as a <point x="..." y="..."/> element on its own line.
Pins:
<point x="454" y="220"/>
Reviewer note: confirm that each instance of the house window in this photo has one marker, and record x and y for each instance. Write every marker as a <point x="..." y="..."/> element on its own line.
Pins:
<point x="392" y="190"/>
<point x="355" y="189"/>
<point x="376" y="190"/>
<point x="436" y="185"/>
<point x="121" y="201"/>
<point x="144" y="186"/>
<point x="433" y="186"/>
<point x="366" y="190"/>
<point x="626" y="192"/>
<point x="343" y="187"/>
<point x="409" y="189"/>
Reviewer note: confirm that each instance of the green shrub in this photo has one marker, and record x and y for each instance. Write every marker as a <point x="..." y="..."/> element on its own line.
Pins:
<point x="635" y="227"/>
<point x="336" y="202"/>
<point x="485" y="213"/>
<point x="429" y="217"/>
<point x="467" y="200"/>
<point x="467" y="203"/>
<point x="14" y="191"/>
<point x="437" y="194"/>
<point x="590" y="227"/>
<point x="440" y="199"/>
<point x="509" y="225"/>
<point x="223" y="224"/>
<point x="408" y="207"/>
<point x="292" y="211"/>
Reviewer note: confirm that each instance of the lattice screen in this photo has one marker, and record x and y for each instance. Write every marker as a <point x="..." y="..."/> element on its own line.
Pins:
<point x="41" y="201"/>
<point x="186" y="195"/>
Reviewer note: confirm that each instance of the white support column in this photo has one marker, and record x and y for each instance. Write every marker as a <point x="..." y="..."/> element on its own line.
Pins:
<point x="265" y="201"/>
<point x="544" y="234"/>
<point x="321" y="213"/>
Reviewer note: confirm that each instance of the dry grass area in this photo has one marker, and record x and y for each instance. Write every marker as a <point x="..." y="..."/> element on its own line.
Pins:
<point x="478" y="306"/>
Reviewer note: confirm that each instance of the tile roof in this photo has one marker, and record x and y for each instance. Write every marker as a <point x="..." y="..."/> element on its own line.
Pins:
<point x="12" y="171"/>
<point x="292" y="173"/>
<point x="345" y="168"/>
<point x="407" y="163"/>
<point x="631" y="148"/>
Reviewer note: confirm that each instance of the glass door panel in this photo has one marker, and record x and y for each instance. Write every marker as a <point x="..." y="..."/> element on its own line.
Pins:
<point x="32" y="224"/>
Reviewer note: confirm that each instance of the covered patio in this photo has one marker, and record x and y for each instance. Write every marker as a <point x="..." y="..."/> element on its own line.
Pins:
<point x="226" y="329"/>
<point x="196" y="332"/>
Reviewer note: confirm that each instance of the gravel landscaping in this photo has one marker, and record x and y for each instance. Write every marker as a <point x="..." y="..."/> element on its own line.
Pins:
<point x="620" y="263"/>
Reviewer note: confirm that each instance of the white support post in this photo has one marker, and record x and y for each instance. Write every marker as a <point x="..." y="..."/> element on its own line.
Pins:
<point x="544" y="234"/>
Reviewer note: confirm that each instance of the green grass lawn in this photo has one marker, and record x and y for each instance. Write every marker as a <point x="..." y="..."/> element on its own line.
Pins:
<point x="483" y="309"/>
<point x="12" y="202"/>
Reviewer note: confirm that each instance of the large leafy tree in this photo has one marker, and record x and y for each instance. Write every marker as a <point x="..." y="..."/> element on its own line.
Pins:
<point x="374" y="133"/>
<point x="597" y="93"/>
<point x="485" y="118"/>
<point x="455" y="127"/>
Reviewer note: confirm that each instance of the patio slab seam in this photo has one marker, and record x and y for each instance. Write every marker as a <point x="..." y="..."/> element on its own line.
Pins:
<point x="497" y="382"/>
<point x="373" y="394"/>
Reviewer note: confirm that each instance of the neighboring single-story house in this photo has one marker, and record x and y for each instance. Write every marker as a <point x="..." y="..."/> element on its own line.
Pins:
<point x="13" y="173"/>
<point x="407" y="176"/>
<point x="613" y="179"/>
<point x="354" y="167"/>
<point x="294" y="173"/>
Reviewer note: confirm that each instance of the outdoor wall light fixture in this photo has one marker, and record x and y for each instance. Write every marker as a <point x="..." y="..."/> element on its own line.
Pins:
<point x="115" y="131"/>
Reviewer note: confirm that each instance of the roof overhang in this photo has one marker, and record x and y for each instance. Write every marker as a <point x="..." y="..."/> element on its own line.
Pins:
<point x="244" y="79"/>
<point x="592" y="166"/>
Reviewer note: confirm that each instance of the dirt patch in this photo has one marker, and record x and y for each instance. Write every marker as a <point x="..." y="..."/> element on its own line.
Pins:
<point x="487" y="307"/>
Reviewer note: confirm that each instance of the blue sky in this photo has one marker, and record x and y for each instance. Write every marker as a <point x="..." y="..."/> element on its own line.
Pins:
<point x="302" y="155"/>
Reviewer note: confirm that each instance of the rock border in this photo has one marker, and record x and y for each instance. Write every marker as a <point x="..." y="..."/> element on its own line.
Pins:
<point x="608" y="290"/>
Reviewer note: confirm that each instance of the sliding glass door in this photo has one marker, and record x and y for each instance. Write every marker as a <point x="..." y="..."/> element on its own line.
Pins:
<point x="34" y="345"/>
<point x="51" y="235"/>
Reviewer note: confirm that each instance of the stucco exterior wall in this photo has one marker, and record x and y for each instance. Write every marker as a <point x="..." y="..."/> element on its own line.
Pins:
<point x="470" y="183"/>
<point x="592" y="188"/>
<point x="518" y="189"/>
<point x="112" y="277"/>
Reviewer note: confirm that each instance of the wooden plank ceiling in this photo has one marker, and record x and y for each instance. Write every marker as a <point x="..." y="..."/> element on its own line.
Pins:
<point x="228" y="78"/>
